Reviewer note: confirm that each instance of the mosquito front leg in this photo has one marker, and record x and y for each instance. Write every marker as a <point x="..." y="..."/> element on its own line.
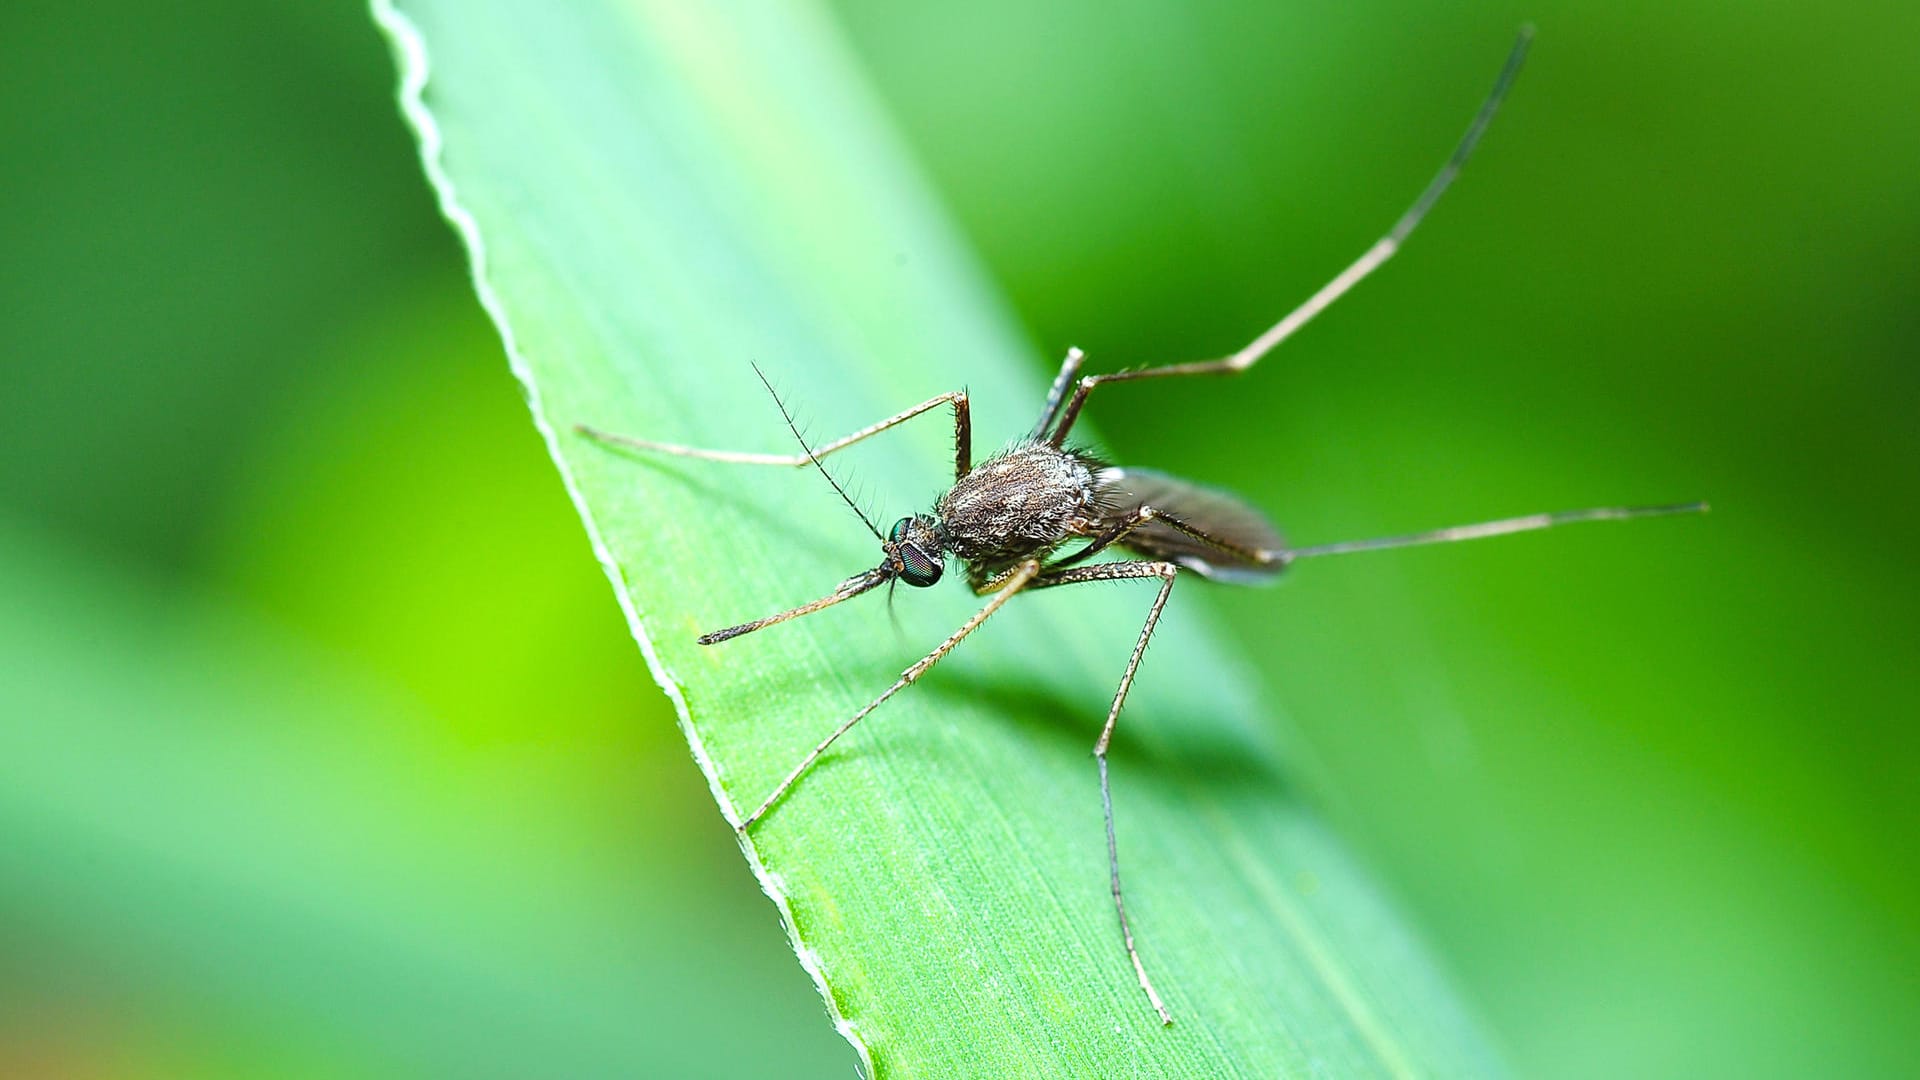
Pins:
<point x="1012" y="583"/>
<point x="1382" y="250"/>
<point x="1166" y="572"/>
<point x="962" y="437"/>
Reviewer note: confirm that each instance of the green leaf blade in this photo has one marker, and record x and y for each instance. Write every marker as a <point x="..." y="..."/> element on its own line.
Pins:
<point x="656" y="194"/>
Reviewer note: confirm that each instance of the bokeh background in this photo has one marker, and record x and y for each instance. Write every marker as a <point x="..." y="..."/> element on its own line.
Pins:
<point x="323" y="749"/>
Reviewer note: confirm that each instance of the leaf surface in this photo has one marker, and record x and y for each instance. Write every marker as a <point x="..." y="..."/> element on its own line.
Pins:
<point x="657" y="194"/>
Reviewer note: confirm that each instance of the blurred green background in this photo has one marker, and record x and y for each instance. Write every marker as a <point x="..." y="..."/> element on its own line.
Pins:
<point x="324" y="751"/>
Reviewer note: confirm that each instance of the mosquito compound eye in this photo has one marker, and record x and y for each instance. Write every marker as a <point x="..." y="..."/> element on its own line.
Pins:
<point x="898" y="533"/>
<point x="917" y="568"/>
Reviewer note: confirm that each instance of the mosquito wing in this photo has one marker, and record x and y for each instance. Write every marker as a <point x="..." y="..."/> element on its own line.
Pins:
<point x="1216" y="513"/>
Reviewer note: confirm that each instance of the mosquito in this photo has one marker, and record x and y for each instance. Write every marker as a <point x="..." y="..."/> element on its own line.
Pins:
<point x="1008" y="518"/>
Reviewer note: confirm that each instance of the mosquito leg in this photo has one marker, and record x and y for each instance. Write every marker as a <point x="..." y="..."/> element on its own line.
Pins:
<point x="962" y="436"/>
<point x="1018" y="579"/>
<point x="983" y="583"/>
<point x="1144" y="514"/>
<point x="1257" y="556"/>
<point x="1113" y="535"/>
<point x="1382" y="250"/>
<point x="1503" y="527"/>
<point x="1058" y="393"/>
<point x="1166" y="572"/>
<point x="962" y="433"/>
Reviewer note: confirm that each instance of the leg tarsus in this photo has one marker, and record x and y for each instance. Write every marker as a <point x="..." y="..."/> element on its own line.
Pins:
<point x="1166" y="571"/>
<point x="1382" y="250"/>
<point x="962" y="429"/>
<point x="1019" y="578"/>
<point x="1119" y="903"/>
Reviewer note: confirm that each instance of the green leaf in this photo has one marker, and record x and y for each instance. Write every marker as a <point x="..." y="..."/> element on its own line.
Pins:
<point x="656" y="194"/>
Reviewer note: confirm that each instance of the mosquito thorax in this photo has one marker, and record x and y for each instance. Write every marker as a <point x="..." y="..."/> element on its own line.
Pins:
<point x="915" y="552"/>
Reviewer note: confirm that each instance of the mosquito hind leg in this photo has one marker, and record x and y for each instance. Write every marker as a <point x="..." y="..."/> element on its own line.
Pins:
<point x="1382" y="250"/>
<point x="1117" y="534"/>
<point x="1057" y="393"/>
<point x="1118" y="571"/>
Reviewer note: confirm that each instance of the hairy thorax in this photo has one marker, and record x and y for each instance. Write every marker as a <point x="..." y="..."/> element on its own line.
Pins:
<point x="1021" y="502"/>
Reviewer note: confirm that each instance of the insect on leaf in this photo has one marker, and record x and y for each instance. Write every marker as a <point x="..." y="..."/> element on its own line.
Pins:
<point x="655" y="195"/>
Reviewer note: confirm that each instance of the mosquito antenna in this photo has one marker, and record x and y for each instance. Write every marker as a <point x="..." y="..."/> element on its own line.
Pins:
<point x="1494" y="528"/>
<point x="791" y="426"/>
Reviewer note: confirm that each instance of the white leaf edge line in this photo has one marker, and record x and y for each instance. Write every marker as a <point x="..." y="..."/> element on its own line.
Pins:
<point x="410" y="51"/>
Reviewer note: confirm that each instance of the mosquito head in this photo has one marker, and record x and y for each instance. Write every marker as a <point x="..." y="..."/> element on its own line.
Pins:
<point x="915" y="551"/>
